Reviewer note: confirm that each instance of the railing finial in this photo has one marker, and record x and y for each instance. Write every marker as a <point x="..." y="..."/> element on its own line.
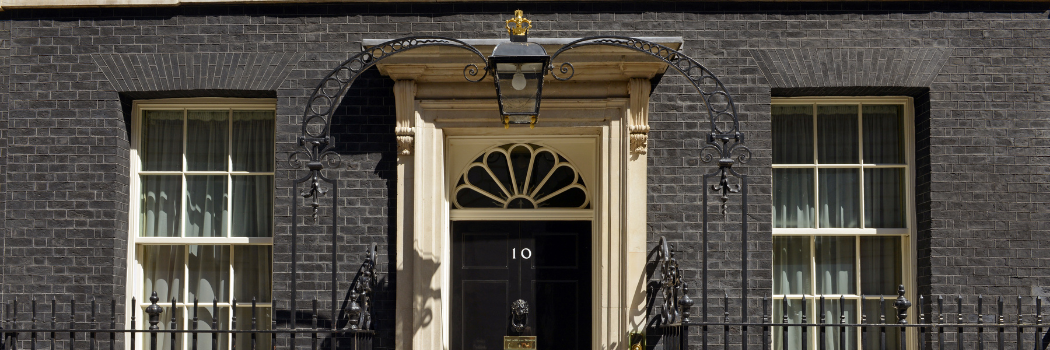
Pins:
<point x="685" y="303"/>
<point x="902" y="304"/>
<point x="154" y="311"/>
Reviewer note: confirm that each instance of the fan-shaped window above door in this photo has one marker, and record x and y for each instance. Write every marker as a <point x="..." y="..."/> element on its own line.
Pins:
<point x="520" y="176"/>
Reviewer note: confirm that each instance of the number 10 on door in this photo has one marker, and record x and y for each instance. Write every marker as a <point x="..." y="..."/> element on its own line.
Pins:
<point x="525" y="253"/>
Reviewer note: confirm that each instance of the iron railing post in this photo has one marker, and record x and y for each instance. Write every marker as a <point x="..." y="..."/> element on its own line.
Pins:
<point x="902" y="304"/>
<point x="153" y="310"/>
<point x="685" y="303"/>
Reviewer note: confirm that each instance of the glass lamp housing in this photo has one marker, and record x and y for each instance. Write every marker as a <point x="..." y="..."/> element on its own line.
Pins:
<point x="518" y="69"/>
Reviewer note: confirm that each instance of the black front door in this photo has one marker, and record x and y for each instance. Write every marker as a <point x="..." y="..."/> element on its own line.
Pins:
<point x="547" y="264"/>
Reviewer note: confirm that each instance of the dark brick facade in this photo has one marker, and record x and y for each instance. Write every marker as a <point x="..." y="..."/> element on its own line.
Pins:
<point x="979" y="73"/>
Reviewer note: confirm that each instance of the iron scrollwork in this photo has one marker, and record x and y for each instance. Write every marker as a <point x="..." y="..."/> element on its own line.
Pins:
<point x="725" y="141"/>
<point x="360" y="309"/>
<point x="316" y="142"/>
<point x="676" y="302"/>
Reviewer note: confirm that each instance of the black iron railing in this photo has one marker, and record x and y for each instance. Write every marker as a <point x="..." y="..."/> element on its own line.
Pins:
<point x="349" y="326"/>
<point x="932" y="327"/>
<point x="23" y="327"/>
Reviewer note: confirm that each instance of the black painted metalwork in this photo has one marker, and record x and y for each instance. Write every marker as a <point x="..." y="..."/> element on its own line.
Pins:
<point x="725" y="142"/>
<point x="519" y="311"/>
<point x="360" y="310"/>
<point x="670" y="285"/>
<point x="317" y="145"/>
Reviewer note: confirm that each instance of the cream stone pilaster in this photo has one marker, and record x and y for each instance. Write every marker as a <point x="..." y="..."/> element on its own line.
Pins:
<point x="611" y="323"/>
<point x="429" y="236"/>
<point x="636" y="189"/>
<point x="404" y="96"/>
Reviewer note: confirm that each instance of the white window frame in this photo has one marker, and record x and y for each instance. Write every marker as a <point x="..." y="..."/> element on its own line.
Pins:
<point x="908" y="254"/>
<point x="135" y="272"/>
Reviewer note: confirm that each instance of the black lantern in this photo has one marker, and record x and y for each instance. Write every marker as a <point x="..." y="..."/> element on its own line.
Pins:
<point x="518" y="68"/>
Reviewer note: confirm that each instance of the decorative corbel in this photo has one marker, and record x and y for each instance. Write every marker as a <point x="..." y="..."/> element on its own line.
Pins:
<point x="638" y="126"/>
<point x="404" y="97"/>
<point x="404" y="76"/>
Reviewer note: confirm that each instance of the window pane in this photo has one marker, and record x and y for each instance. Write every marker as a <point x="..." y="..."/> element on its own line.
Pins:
<point x="884" y="197"/>
<point x="838" y="196"/>
<point x="209" y="267"/>
<point x="244" y="322"/>
<point x="252" y="269"/>
<point x="252" y="206"/>
<point x="793" y="198"/>
<point x="162" y="266"/>
<point x="207" y="137"/>
<point x="832" y="315"/>
<point x="160" y="146"/>
<point x="883" y="131"/>
<point x="159" y="215"/>
<point x="791" y="265"/>
<point x="794" y="315"/>
<point x="874" y="314"/>
<point x="205" y="317"/>
<point x="206" y="206"/>
<point x="253" y="140"/>
<point x="792" y="134"/>
<point x="880" y="265"/>
<point x="836" y="264"/>
<point x="837" y="134"/>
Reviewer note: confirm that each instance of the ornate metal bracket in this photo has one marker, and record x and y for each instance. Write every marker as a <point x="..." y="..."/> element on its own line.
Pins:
<point x="315" y="140"/>
<point x="724" y="140"/>
<point x="676" y="301"/>
<point x="360" y="309"/>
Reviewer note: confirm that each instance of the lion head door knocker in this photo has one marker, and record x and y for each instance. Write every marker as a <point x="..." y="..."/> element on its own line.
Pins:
<point x="519" y="316"/>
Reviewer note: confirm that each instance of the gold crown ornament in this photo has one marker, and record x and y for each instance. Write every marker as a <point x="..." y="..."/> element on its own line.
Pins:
<point x="517" y="28"/>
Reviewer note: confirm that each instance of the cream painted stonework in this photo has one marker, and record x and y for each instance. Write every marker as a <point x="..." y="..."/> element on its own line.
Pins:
<point x="598" y="120"/>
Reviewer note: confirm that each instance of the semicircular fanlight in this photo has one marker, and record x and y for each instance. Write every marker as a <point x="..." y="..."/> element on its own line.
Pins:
<point x="520" y="176"/>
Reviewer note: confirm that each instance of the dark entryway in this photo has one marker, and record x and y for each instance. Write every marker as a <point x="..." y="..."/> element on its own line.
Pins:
<point x="545" y="263"/>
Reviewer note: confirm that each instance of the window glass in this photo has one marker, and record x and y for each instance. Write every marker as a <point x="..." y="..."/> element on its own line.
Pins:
<point x="880" y="265"/>
<point x="159" y="206"/>
<point x="884" y="197"/>
<point x="207" y="137"/>
<point x="252" y="206"/>
<point x="836" y="264"/>
<point x="793" y="200"/>
<point x="520" y="176"/>
<point x="837" y="134"/>
<point x="205" y="182"/>
<point x="792" y="134"/>
<point x="791" y="268"/>
<point x="840" y="221"/>
<point x="253" y="140"/>
<point x="160" y="147"/>
<point x="839" y="198"/>
<point x="883" y="141"/>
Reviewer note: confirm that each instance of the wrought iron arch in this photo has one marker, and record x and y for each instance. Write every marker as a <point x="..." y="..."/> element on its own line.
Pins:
<point x="316" y="144"/>
<point x="726" y="144"/>
<point x="722" y="142"/>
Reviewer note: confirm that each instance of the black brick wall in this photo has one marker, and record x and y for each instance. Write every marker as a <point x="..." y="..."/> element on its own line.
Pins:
<point x="5" y="44"/>
<point x="983" y="145"/>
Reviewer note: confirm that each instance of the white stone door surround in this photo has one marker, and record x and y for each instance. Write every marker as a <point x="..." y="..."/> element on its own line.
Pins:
<point x="600" y="117"/>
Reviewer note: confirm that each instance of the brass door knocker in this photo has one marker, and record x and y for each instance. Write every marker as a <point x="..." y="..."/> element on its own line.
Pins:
<point x="519" y="311"/>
